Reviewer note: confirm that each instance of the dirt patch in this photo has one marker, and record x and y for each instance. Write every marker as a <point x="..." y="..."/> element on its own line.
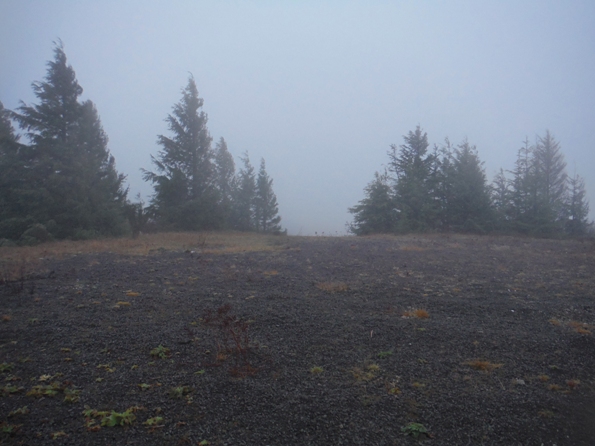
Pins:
<point x="381" y="340"/>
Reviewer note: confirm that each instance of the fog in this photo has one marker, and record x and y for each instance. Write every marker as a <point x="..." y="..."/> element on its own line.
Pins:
<point x="320" y="89"/>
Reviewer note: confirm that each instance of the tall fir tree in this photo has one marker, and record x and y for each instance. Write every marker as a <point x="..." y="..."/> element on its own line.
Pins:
<point x="184" y="182"/>
<point x="376" y="212"/>
<point x="14" y="180"/>
<point x="225" y="180"/>
<point x="577" y="207"/>
<point x="73" y="186"/>
<point x="415" y="187"/>
<point x="243" y="215"/>
<point x="501" y="201"/>
<point x="266" y="209"/>
<point x="550" y="176"/>
<point x="523" y="190"/>
<point x="469" y="205"/>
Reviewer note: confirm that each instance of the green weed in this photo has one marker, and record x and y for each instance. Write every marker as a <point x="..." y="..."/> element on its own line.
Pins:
<point x="415" y="430"/>
<point x="384" y="355"/>
<point x="161" y="352"/>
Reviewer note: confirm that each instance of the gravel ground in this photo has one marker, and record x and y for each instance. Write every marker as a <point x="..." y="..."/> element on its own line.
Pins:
<point x="325" y="341"/>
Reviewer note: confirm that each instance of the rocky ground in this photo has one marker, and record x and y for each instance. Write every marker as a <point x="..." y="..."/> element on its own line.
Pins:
<point x="444" y="340"/>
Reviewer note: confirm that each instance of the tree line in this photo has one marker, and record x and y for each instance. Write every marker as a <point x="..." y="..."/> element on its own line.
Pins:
<point x="63" y="183"/>
<point x="445" y="189"/>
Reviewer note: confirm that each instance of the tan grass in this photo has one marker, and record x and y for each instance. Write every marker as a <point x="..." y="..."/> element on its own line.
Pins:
<point x="484" y="366"/>
<point x="580" y="327"/>
<point x="419" y="313"/>
<point x="332" y="287"/>
<point x="19" y="261"/>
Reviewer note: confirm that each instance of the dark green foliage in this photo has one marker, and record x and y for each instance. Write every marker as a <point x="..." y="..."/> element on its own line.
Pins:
<point x="266" y="208"/>
<point x="550" y="178"/>
<point x="465" y="198"/>
<point x="577" y="207"/>
<point x="414" y="171"/>
<point x="185" y="194"/>
<point x="225" y="179"/>
<point x="69" y="182"/>
<point x="446" y="190"/>
<point x="243" y="217"/>
<point x="376" y="212"/>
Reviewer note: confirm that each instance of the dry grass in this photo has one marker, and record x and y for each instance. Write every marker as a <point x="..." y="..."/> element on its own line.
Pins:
<point x="580" y="327"/>
<point x="484" y="366"/>
<point x="418" y="313"/>
<point x="17" y="262"/>
<point x="332" y="287"/>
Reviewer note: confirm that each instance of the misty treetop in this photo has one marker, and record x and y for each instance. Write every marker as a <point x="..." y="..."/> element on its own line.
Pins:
<point x="445" y="189"/>
<point x="196" y="186"/>
<point x="64" y="182"/>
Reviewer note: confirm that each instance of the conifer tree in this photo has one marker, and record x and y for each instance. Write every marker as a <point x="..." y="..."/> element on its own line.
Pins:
<point x="376" y="212"/>
<point x="523" y="191"/>
<point x="225" y="180"/>
<point x="243" y="216"/>
<point x="13" y="180"/>
<point x="266" y="208"/>
<point x="73" y="186"/>
<point x="184" y="182"/>
<point x="550" y="176"/>
<point x="577" y="207"/>
<point x="501" y="200"/>
<point x="415" y="186"/>
<point x="469" y="202"/>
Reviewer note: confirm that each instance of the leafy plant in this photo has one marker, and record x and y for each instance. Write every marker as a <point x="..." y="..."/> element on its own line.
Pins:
<point x="154" y="421"/>
<point x="415" y="430"/>
<point x="118" y="418"/>
<point x="9" y="429"/>
<point x="316" y="370"/>
<point x="20" y="411"/>
<point x="180" y="391"/>
<point x="144" y="386"/>
<point x="10" y="389"/>
<point x="6" y="367"/>
<point x="161" y="352"/>
<point x="71" y="395"/>
<point x="384" y="355"/>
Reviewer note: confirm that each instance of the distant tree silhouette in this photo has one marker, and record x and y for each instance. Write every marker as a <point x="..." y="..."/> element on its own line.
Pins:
<point x="266" y="209"/>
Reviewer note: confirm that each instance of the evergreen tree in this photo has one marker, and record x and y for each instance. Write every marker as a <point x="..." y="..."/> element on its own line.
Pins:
<point x="376" y="212"/>
<point x="13" y="180"/>
<point x="415" y="182"/>
<point x="523" y="193"/>
<point x="244" y="200"/>
<point x="501" y="200"/>
<point x="225" y="180"/>
<point x="577" y="207"/>
<point x="185" y="194"/>
<point x="73" y="186"/>
<point x="469" y="202"/>
<point x="266" y="208"/>
<point x="550" y="175"/>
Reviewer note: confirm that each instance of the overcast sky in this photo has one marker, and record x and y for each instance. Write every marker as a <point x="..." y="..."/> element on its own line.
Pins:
<point x="320" y="89"/>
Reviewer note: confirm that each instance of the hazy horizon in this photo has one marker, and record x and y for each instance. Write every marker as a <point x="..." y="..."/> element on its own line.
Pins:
<point x="320" y="90"/>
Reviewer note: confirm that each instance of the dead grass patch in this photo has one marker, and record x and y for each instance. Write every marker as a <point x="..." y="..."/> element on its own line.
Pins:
<point x="483" y="366"/>
<point x="418" y="313"/>
<point x="17" y="262"/>
<point x="332" y="287"/>
<point x="580" y="327"/>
